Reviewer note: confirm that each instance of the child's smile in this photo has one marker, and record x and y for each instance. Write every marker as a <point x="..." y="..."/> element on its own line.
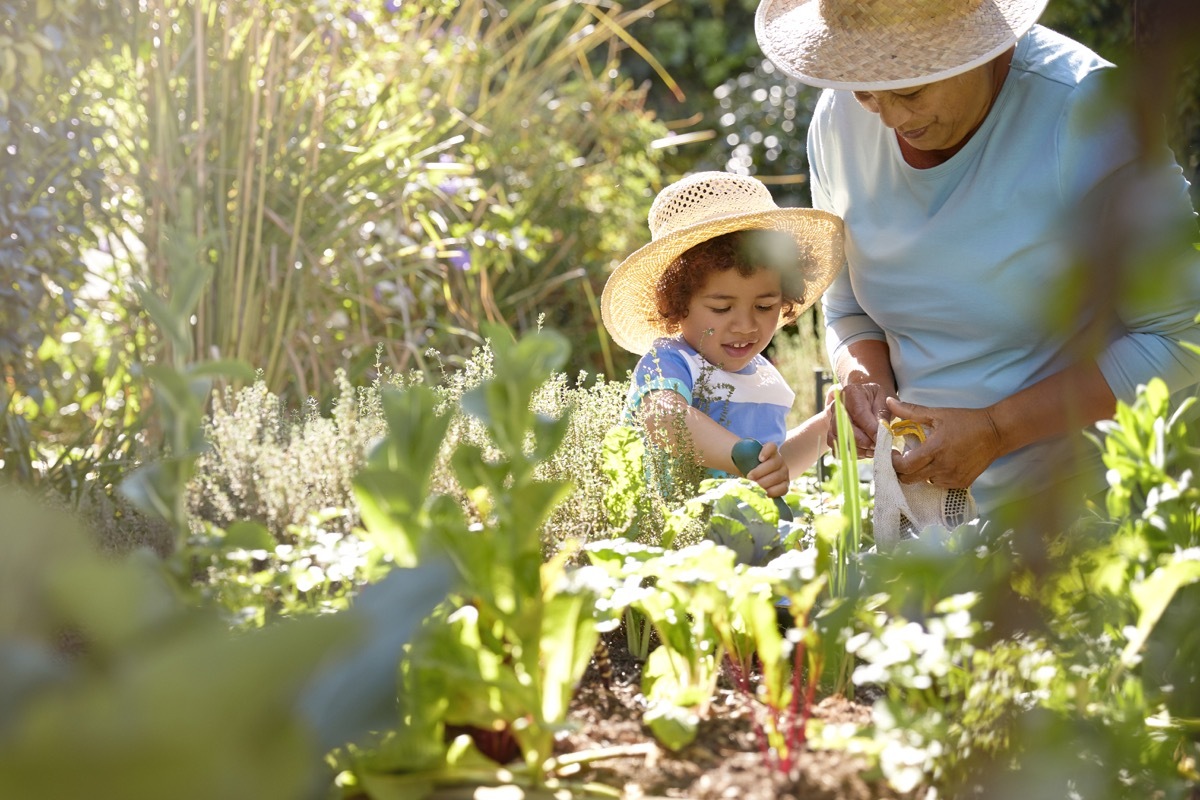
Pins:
<point x="732" y="317"/>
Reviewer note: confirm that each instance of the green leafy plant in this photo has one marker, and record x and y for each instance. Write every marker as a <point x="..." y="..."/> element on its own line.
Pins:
<point x="841" y="536"/>
<point x="738" y="514"/>
<point x="790" y="661"/>
<point x="1152" y="453"/>
<point x="986" y="668"/>
<point x="712" y="612"/>
<point x="680" y="675"/>
<point x="500" y="663"/>
<point x="181" y="384"/>
<point x="104" y="660"/>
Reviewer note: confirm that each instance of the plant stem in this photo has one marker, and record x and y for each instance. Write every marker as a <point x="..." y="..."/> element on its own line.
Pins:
<point x="742" y="680"/>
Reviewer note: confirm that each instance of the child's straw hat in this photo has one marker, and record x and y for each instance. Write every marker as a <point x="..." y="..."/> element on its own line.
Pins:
<point x="876" y="45"/>
<point x="698" y="208"/>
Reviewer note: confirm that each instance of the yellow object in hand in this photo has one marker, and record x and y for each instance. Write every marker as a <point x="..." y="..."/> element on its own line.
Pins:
<point x="904" y="427"/>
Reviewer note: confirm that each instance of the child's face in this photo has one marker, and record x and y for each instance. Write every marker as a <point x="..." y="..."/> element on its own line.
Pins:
<point x="741" y="312"/>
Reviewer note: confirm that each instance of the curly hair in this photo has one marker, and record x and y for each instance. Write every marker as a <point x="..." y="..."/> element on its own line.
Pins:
<point x="747" y="252"/>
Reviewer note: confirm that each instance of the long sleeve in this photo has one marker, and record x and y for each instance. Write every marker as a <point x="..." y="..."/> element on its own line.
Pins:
<point x="845" y="320"/>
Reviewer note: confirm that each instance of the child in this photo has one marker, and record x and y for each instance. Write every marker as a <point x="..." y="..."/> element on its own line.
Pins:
<point x="724" y="270"/>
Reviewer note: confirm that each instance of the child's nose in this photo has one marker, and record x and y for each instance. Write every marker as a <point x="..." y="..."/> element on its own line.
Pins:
<point x="745" y="322"/>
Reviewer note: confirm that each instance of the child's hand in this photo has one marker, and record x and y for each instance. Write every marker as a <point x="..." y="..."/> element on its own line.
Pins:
<point x="772" y="471"/>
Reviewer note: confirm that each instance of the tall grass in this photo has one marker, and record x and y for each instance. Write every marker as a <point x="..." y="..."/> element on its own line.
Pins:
<point x="372" y="177"/>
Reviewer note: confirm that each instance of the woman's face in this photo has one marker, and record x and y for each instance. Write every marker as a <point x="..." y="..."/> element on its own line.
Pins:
<point x="936" y="116"/>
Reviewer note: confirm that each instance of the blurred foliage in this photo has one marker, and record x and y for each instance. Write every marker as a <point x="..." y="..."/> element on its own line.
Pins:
<point x="48" y="172"/>
<point x="66" y="341"/>
<point x="181" y="382"/>
<point x="731" y="109"/>
<point x="362" y="178"/>
<point x="104" y="659"/>
<point x="700" y="44"/>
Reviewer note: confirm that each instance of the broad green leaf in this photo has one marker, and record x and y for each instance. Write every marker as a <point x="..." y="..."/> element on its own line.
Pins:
<point x="223" y="368"/>
<point x="357" y="692"/>
<point x="248" y="535"/>
<point x="1154" y="594"/>
<point x="415" y="435"/>
<point x="568" y="639"/>
<point x="390" y="521"/>
<point x="673" y="726"/>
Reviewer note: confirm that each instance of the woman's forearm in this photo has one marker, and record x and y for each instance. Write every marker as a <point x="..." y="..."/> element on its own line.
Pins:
<point x="866" y="361"/>
<point x="1066" y="401"/>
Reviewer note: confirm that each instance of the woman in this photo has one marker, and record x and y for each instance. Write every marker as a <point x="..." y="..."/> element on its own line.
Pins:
<point x="958" y="140"/>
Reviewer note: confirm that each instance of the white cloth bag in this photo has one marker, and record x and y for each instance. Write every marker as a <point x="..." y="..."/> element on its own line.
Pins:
<point x="903" y="510"/>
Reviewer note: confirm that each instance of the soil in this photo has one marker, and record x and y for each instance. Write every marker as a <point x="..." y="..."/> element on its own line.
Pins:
<point x="726" y="758"/>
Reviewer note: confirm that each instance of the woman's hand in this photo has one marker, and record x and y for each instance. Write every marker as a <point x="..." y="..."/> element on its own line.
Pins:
<point x="866" y="403"/>
<point x="772" y="471"/>
<point x="960" y="443"/>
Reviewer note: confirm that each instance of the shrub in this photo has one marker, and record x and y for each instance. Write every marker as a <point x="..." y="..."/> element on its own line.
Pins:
<point x="277" y="467"/>
<point x="269" y="465"/>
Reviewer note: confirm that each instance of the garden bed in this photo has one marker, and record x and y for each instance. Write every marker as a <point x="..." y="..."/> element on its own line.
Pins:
<point x="725" y="760"/>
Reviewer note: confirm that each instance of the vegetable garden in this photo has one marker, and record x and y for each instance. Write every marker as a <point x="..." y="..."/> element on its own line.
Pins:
<point x="316" y="484"/>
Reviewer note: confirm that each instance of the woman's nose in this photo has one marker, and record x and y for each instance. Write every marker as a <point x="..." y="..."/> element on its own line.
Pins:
<point x="893" y="114"/>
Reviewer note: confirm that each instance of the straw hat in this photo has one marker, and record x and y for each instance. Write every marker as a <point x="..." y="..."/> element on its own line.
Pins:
<point x="875" y="45"/>
<point x="698" y="208"/>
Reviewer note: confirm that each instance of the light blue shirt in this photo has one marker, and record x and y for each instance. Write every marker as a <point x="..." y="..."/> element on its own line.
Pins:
<point x="963" y="268"/>
<point x="752" y="403"/>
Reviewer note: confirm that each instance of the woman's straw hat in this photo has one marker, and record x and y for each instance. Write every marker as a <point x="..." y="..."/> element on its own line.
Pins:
<point x="698" y="208"/>
<point x="875" y="45"/>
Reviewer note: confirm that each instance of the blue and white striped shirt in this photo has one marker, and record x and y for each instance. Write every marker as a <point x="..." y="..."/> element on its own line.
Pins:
<point x="752" y="403"/>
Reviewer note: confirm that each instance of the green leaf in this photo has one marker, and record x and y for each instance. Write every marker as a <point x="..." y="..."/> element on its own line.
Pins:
<point x="548" y="433"/>
<point x="568" y="639"/>
<point x="172" y="325"/>
<point x="474" y="471"/>
<point x="223" y="368"/>
<point x="248" y="535"/>
<point x="356" y="693"/>
<point x="673" y="726"/>
<point x="389" y="518"/>
<point x="415" y="435"/>
<point x="1154" y="594"/>
<point x="622" y="455"/>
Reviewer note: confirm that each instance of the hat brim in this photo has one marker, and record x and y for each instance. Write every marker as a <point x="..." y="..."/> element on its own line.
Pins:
<point x="799" y="41"/>
<point x="628" y="304"/>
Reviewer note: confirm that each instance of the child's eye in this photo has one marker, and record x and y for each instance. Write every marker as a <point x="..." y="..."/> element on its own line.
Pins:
<point x="768" y="307"/>
<point x="719" y="310"/>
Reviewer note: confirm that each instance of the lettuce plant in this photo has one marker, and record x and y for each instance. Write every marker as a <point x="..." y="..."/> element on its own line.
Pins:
<point x="709" y="611"/>
<point x="499" y="662"/>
